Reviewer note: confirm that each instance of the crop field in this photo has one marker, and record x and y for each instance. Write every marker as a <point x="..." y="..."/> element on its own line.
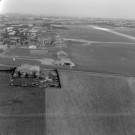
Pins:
<point x="86" y="104"/>
<point x="90" y="105"/>
<point x="21" y="109"/>
<point x="91" y="34"/>
<point x="18" y="52"/>
<point x="9" y="61"/>
<point x="35" y="53"/>
<point x="104" y="57"/>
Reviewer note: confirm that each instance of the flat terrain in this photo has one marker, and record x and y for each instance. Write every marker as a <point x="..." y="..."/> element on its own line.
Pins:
<point x="104" y="57"/>
<point x="86" y="104"/>
<point x="91" y="105"/>
<point x="9" y="61"/>
<point x="21" y="109"/>
<point x="91" y="34"/>
<point x="18" y="52"/>
<point x="128" y="31"/>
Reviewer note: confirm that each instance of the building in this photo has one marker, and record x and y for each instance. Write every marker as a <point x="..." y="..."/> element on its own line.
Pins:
<point x="32" y="47"/>
<point x="9" y="29"/>
<point x="15" y="39"/>
<point x="3" y="47"/>
<point x="12" y="33"/>
<point x="62" y="54"/>
<point x="28" y="69"/>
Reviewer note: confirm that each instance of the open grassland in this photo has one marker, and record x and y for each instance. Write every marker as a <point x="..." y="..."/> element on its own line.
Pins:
<point x="104" y="57"/>
<point x="90" y="105"/>
<point x="21" y="109"/>
<point x="91" y="34"/>
<point x="128" y="31"/>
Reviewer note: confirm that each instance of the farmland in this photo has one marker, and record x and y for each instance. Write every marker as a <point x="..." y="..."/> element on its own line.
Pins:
<point x="9" y="61"/>
<point x="97" y="95"/>
<point x="21" y="109"/>
<point x="38" y="53"/>
<point x="81" y="106"/>
<point x="18" y="52"/>
<point x="90" y="104"/>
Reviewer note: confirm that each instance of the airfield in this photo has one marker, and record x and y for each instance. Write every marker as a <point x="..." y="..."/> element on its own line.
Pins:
<point x="97" y="96"/>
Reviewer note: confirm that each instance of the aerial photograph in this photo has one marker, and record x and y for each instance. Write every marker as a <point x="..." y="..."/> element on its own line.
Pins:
<point x="67" y="67"/>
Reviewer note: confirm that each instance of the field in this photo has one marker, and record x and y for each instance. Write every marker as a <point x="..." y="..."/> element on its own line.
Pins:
<point x="81" y="106"/>
<point x="128" y="31"/>
<point x="21" y="109"/>
<point x="99" y="103"/>
<point x="35" y="53"/>
<point x="91" y="34"/>
<point x="86" y="104"/>
<point x="18" y="52"/>
<point x="104" y="57"/>
<point x="9" y="61"/>
<point x="90" y="105"/>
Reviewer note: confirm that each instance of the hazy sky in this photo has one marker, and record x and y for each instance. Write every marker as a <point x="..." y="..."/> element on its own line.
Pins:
<point x="81" y="8"/>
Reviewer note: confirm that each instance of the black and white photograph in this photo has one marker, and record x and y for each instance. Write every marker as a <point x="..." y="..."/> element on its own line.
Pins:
<point x="67" y="67"/>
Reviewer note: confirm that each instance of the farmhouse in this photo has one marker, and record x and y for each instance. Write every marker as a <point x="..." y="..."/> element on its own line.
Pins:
<point x="12" y="33"/>
<point x="3" y="47"/>
<point x="62" y="54"/>
<point x="32" y="47"/>
<point x="9" y="29"/>
<point x="67" y="62"/>
<point x="14" y="40"/>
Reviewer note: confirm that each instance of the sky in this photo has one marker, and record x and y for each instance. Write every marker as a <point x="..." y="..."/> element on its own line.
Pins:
<point x="74" y="8"/>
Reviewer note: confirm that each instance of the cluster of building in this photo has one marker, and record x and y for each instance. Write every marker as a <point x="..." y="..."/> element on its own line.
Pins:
<point x="23" y="34"/>
<point x="33" y="76"/>
<point x="37" y="37"/>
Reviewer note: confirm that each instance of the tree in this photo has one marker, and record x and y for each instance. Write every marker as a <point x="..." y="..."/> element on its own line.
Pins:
<point x="19" y="74"/>
<point x="26" y="75"/>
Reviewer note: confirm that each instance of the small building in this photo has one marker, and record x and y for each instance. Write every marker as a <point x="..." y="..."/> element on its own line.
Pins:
<point x="34" y="31"/>
<point x="32" y="47"/>
<point x="12" y="33"/>
<point x="9" y="29"/>
<point x="62" y="54"/>
<point x="15" y="38"/>
<point x="67" y="62"/>
<point x="64" y="62"/>
<point x="3" y="47"/>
